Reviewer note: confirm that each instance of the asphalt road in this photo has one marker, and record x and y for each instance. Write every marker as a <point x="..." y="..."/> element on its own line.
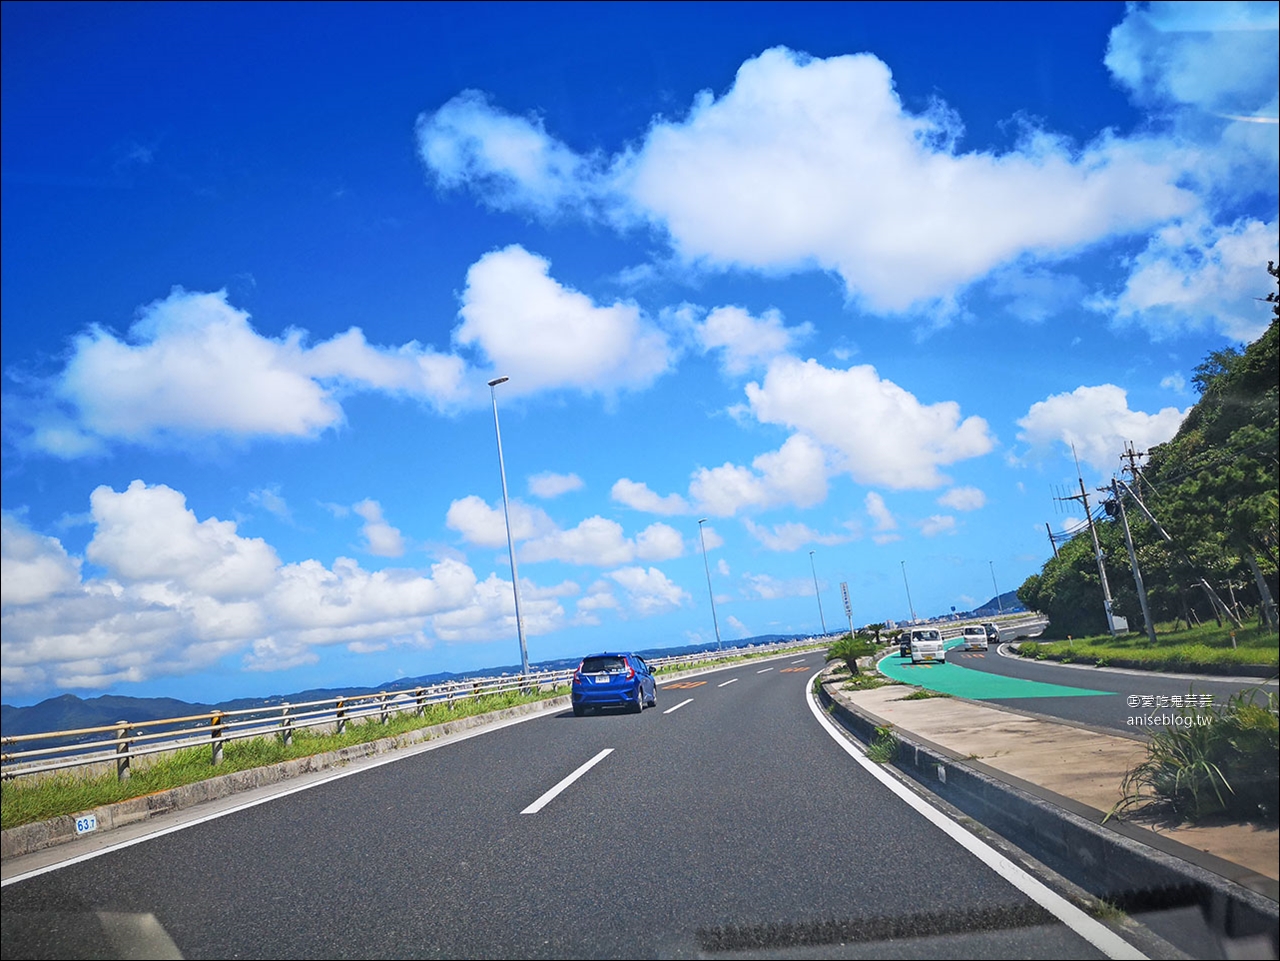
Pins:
<point x="733" y="823"/>
<point x="1130" y="702"/>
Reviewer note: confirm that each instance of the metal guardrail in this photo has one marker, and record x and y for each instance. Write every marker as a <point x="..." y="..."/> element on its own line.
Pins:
<point x="121" y="743"/>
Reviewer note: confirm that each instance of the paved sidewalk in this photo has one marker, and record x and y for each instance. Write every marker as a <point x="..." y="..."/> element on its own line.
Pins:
<point x="1077" y="768"/>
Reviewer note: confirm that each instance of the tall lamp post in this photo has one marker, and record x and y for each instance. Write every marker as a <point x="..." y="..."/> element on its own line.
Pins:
<point x="908" y="587"/>
<point x="817" y="593"/>
<point x="999" y="604"/>
<point x="710" y="593"/>
<point x="506" y="513"/>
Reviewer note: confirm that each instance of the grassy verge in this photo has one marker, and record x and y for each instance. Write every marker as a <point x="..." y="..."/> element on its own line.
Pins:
<point x="25" y="800"/>
<point x="1206" y="648"/>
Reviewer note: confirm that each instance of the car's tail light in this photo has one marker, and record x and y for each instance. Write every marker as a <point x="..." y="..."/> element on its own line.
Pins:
<point x="631" y="671"/>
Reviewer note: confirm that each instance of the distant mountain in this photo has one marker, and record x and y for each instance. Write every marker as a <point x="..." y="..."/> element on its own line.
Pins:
<point x="1008" y="604"/>
<point x="67" y="712"/>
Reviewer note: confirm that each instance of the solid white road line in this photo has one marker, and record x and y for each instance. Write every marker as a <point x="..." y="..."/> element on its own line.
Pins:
<point x="669" y="710"/>
<point x="547" y="798"/>
<point x="1097" y="934"/>
<point x="765" y="671"/>
<point x="727" y="683"/>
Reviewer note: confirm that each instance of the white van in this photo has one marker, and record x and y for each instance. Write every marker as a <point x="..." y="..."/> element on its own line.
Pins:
<point x="926" y="646"/>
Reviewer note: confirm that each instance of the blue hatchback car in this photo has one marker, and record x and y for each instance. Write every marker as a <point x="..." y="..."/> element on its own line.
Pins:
<point x="613" y="680"/>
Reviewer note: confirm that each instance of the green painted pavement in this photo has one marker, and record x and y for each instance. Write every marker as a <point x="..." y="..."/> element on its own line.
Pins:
<point x="949" y="678"/>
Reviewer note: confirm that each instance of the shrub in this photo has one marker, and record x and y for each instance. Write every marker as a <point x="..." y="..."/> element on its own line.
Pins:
<point x="1221" y="761"/>
<point x="849" y="650"/>
<point x="884" y="746"/>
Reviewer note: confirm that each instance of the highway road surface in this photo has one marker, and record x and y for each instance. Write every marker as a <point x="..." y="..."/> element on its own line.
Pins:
<point x="727" y="821"/>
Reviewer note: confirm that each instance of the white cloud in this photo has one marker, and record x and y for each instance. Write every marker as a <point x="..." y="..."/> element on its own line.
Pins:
<point x="881" y="433"/>
<point x="747" y="342"/>
<point x="544" y="335"/>
<point x="722" y="566"/>
<point x="599" y="597"/>
<point x="33" y="568"/>
<point x="790" y="536"/>
<point x="769" y="588"/>
<point x="1034" y="294"/>
<point x="192" y="365"/>
<point x="485" y="526"/>
<point x="659" y="542"/>
<point x="596" y="540"/>
<point x="639" y="497"/>
<point x="148" y="534"/>
<point x="177" y="594"/>
<point x="1218" y="57"/>
<point x="549" y="484"/>
<point x="1195" y="276"/>
<point x="1098" y="421"/>
<point x="270" y="500"/>
<point x="381" y="539"/>
<point x="1174" y="382"/>
<point x="649" y="591"/>
<point x="883" y="518"/>
<point x="937" y="524"/>
<point x="511" y="161"/>
<point x="738" y="627"/>
<point x="795" y="474"/>
<point x="963" y="499"/>
<point x="814" y="163"/>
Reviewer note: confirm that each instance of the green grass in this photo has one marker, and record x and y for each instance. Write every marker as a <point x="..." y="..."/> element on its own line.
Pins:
<point x="921" y="694"/>
<point x="1220" y="763"/>
<point x="867" y="682"/>
<point x="25" y="800"/>
<point x="884" y="746"/>
<point x="1205" y="648"/>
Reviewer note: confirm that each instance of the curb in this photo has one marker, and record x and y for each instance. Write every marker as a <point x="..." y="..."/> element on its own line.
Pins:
<point x="1121" y="870"/>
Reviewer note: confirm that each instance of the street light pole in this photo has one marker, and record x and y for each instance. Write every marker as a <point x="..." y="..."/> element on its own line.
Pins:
<point x="908" y="587"/>
<point x="999" y="605"/>
<point x="506" y="513"/>
<point x="710" y="593"/>
<point x="817" y="593"/>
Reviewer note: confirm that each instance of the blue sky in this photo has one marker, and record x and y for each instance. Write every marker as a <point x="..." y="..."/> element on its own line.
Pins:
<point x="840" y="278"/>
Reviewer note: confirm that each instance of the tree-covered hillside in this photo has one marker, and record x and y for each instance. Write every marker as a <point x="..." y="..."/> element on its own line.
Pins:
<point x="1212" y="488"/>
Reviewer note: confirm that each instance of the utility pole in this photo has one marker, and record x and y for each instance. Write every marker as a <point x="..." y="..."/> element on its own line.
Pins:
<point x="1083" y="497"/>
<point x="1052" y="542"/>
<point x="1200" y="578"/>
<point x="1133" y="562"/>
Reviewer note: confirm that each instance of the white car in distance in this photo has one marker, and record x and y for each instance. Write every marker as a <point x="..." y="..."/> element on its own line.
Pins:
<point x="975" y="638"/>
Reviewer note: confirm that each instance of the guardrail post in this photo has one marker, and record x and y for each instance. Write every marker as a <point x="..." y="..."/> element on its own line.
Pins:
<point x="215" y="735"/>
<point x="123" y="748"/>
<point x="286" y="726"/>
<point x="341" y="715"/>
<point x="421" y="695"/>
<point x="448" y="699"/>
<point x="475" y="690"/>
<point x="384" y="713"/>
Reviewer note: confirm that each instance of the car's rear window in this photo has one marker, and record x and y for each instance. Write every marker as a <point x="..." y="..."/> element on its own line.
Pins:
<point x="601" y="665"/>
<point x="976" y="630"/>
